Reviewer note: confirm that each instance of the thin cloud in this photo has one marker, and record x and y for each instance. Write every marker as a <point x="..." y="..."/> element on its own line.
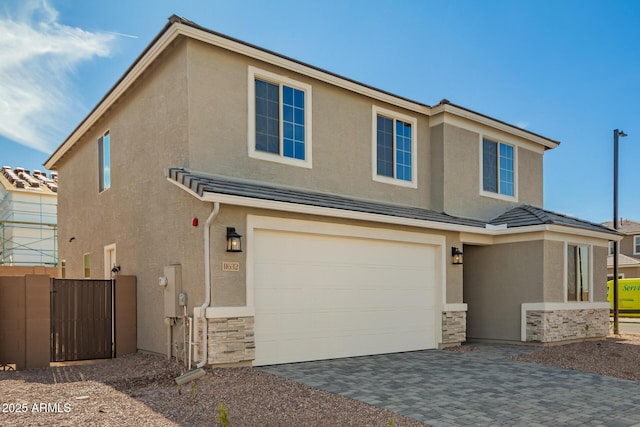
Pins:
<point x="39" y="55"/>
<point x="521" y="124"/>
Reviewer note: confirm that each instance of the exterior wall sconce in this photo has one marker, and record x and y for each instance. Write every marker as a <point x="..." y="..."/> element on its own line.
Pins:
<point x="234" y="242"/>
<point x="456" y="254"/>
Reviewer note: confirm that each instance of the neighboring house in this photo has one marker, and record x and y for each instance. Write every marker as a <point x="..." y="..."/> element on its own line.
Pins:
<point x="628" y="250"/>
<point x="28" y="218"/>
<point x="353" y="205"/>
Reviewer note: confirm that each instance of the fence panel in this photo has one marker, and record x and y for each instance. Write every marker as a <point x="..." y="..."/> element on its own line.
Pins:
<point x="81" y="319"/>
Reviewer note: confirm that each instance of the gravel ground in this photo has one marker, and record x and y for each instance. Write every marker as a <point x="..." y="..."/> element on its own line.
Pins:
<point x="140" y="389"/>
<point x="615" y="357"/>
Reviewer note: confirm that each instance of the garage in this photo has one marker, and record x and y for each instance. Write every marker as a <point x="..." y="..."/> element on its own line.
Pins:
<point x="325" y="291"/>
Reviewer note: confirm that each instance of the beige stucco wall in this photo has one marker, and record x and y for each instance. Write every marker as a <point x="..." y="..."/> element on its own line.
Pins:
<point x="455" y="168"/>
<point x="497" y="279"/>
<point x="146" y="217"/>
<point x="341" y="126"/>
<point x="553" y="271"/>
<point x="629" y="272"/>
<point x="437" y="167"/>
<point x="626" y="246"/>
<point x="600" y="273"/>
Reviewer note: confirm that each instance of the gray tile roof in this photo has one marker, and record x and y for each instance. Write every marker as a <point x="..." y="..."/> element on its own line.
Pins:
<point x="625" y="226"/>
<point x="200" y="184"/>
<point x="524" y="215"/>
<point x="527" y="215"/>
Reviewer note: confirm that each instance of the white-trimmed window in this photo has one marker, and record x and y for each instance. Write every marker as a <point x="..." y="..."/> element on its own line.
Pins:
<point x="611" y="244"/>
<point x="578" y="264"/>
<point x="86" y="263"/>
<point x="279" y="118"/>
<point x="394" y="147"/>
<point x="104" y="162"/>
<point x="499" y="174"/>
<point x="636" y="245"/>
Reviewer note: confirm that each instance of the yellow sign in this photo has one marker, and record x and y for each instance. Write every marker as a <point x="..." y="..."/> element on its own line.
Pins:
<point x="628" y="297"/>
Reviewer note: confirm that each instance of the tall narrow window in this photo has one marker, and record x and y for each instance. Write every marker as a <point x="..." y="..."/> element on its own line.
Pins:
<point x="394" y="145"/>
<point x="636" y="245"/>
<point x="104" y="161"/>
<point x="578" y="282"/>
<point x="87" y="266"/>
<point x="498" y="171"/>
<point x="280" y="125"/>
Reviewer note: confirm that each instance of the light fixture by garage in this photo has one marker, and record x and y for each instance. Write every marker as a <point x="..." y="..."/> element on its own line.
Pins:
<point x="456" y="255"/>
<point x="234" y="241"/>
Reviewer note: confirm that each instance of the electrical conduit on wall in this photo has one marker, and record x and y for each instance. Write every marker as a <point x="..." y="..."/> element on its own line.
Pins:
<point x="207" y="281"/>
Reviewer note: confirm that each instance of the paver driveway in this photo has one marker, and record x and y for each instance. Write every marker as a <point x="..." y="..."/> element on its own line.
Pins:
<point x="477" y="388"/>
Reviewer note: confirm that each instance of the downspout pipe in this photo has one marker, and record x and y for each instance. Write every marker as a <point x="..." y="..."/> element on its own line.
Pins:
<point x="207" y="280"/>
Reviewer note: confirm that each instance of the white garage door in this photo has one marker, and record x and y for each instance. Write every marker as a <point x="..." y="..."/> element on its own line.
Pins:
<point x="323" y="296"/>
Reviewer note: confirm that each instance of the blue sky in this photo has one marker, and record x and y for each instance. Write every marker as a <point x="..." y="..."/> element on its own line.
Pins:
<point x="568" y="70"/>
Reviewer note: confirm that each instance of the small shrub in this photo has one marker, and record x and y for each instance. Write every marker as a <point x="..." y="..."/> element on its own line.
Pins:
<point x="223" y="416"/>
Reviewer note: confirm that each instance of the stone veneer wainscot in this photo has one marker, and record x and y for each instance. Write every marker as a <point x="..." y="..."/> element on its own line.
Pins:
<point x="564" y="325"/>
<point x="229" y="340"/>
<point x="454" y="327"/>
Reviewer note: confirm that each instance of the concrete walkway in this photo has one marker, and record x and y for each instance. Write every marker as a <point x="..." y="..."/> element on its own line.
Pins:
<point x="477" y="388"/>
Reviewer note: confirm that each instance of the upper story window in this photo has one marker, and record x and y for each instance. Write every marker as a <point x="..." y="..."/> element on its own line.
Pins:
<point x="611" y="244"/>
<point x="394" y="147"/>
<point x="636" y="245"/>
<point x="578" y="273"/>
<point x="86" y="262"/>
<point x="279" y="118"/>
<point x="498" y="169"/>
<point x="104" y="161"/>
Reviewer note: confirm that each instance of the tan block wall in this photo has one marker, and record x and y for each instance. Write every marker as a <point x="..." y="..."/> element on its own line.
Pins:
<point x="565" y="325"/>
<point x="38" y="321"/>
<point x="13" y="321"/>
<point x="454" y="327"/>
<point x="125" y="315"/>
<point x="6" y="270"/>
<point x="25" y="321"/>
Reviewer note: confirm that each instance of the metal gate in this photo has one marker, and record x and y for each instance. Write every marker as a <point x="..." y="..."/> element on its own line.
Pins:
<point x="82" y="319"/>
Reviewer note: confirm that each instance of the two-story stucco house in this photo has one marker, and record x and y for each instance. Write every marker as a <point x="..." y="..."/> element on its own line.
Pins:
<point x="628" y="252"/>
<point x="369" y="223"/>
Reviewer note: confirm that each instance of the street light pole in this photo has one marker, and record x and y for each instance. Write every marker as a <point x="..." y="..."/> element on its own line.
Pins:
<point x="616" y="133"/>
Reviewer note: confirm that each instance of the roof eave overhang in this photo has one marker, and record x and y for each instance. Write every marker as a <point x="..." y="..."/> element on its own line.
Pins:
<point x="213" y="197"/>
<point x="180" y="28"/>
<point x="322" y="211"/>
<point x="443" y="109"/>
<point x="156" y="47"/>
<point x="172" y="31"/>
